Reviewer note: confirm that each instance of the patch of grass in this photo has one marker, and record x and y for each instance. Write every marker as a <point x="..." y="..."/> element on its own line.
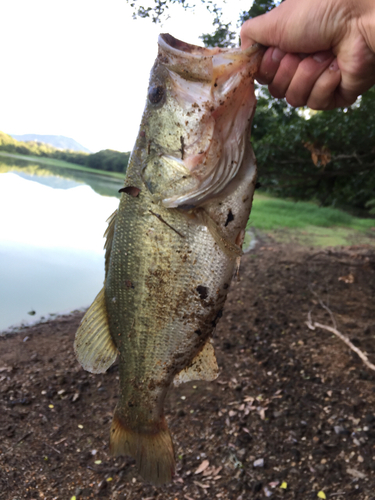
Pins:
<point x="306" y="223"/>
<point x="274" y="213"/>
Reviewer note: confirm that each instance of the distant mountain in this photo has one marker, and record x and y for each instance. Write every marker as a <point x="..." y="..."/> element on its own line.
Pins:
<point x="57" y="141"/>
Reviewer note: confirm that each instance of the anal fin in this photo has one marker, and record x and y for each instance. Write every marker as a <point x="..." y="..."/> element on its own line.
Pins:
<point x="93" y="345"/>
<point x="203" y="367"/>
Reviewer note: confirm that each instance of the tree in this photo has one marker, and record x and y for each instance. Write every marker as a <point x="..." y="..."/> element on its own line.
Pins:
<point x="329" y="157"/>
<point x="108" y="159"/>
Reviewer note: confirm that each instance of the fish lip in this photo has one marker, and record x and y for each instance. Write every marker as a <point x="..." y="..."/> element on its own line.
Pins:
<point x="176" y="46"/>
<point x="193" y="62"/>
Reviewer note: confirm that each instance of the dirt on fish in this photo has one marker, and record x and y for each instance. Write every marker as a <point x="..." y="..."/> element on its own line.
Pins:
<point x="291" y="416"/>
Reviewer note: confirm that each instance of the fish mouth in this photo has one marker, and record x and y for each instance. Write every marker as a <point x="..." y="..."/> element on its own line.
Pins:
<point x="167" y="40"/>
<point x="215" y="88"/>
<point x="204" y="64"/>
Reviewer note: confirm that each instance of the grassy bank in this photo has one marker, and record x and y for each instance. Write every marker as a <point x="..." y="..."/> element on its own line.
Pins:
<point x="60" y="163"/>
<point x="307" y="223"/>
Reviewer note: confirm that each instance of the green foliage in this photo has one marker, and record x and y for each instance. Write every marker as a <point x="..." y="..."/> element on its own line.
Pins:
<point x="329" y="157"/>
<point x="222" y="37"/>
<point x="158" y="11"/>
<point x="258" y="8"/>
<point x="371" y="206"/>
<point x="109" y="160"/>
<point x="7" y="143"/>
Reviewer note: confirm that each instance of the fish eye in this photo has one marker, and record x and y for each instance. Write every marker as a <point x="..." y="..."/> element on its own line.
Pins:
<point x="155" y="94"/>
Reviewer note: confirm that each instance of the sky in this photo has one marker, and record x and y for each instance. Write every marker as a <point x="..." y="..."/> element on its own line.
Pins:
<point x="80" y="68"/>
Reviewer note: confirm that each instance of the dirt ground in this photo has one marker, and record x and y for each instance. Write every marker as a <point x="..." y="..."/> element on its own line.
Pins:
<point x="291" y="416"/>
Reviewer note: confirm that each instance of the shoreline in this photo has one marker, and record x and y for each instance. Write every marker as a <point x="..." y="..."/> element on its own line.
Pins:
<point x="50" y="318"/>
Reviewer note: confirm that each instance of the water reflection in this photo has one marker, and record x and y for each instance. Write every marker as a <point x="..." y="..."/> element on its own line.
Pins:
<point x="61" y="178"/>
<point x="51" y="244"/>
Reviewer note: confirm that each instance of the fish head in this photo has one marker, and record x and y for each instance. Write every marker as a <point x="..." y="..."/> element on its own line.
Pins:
<point x="197" y="119"/>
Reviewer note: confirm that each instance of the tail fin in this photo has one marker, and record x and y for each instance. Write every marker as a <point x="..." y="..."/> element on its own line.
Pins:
<point x="152" y="450"/>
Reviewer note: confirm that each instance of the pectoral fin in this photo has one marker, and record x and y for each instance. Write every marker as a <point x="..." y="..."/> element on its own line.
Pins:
<point x="93" y="345"/>
<point x="203" y="367"/>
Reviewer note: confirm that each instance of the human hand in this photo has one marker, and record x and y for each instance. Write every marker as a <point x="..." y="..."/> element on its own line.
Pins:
<point x="321" y="52"/>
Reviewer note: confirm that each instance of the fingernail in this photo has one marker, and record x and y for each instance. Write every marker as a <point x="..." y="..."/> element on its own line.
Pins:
<point x="277" y="55"/>
<point x="321" y="57"/>
<point x="334" y="66"/>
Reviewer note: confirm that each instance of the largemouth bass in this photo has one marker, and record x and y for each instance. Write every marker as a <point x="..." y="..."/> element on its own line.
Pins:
<point x="174" y="243"/>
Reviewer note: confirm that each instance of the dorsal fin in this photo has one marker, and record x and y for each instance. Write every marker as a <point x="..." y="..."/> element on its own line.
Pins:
<point x="109" y="232"/>
<point x="203" y="367"/>
<point x="93" y="345"/>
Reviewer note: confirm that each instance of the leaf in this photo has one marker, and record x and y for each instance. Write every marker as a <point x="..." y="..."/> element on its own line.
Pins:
<point x="321" y="494"/>
<point x="347" y="279"/>
<point x="203" y="466"/>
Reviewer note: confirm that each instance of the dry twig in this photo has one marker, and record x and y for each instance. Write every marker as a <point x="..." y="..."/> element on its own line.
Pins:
<point x="312" y="325"/>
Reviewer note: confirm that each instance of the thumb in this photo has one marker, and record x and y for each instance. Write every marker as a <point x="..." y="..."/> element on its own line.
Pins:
<point x="293" y="26"/>
<point x="264" y="29"/>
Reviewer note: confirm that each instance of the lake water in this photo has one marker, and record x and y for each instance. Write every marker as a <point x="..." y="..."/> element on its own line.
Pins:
<point x="51" y="239"/>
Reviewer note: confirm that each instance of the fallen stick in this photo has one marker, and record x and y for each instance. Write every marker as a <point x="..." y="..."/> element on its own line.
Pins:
<point x="338" y="334"/>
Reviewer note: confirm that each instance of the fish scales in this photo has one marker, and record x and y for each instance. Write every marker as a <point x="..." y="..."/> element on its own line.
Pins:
<point x="174" y="243"/>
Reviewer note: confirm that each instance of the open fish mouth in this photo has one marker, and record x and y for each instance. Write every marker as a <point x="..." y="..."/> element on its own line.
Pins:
<point x="214" y="92"/>
<point x="202" y="63"/>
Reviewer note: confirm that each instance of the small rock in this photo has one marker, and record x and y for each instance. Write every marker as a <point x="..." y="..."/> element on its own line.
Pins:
<point x="267" y="492"/>
<point x="356" y="473"/>
<point x="259" y="462"/>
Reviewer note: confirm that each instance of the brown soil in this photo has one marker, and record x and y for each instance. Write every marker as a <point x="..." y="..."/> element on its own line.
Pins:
<point x="292" y="414"/>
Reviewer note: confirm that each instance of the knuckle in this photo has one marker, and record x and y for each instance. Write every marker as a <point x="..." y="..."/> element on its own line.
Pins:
<point x="276" y="92"/>
<point x="295" y="101"/>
